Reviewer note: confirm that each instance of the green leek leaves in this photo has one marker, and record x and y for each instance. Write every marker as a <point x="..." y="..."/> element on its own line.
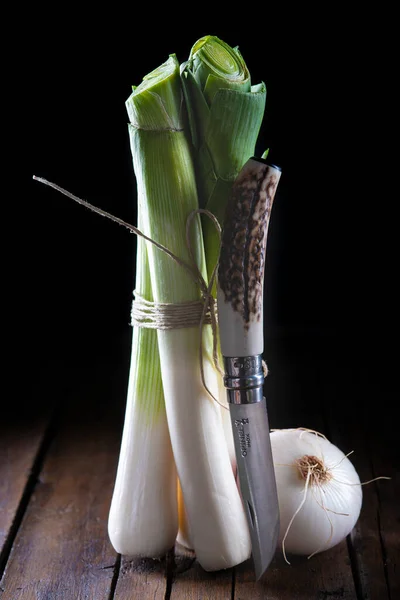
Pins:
<point x="225" y="113"/>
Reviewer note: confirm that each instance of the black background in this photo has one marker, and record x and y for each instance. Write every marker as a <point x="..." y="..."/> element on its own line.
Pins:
<point x="332" y="252"/>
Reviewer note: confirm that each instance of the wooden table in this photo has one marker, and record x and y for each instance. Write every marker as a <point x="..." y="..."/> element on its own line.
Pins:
<point x="58" y="456"/>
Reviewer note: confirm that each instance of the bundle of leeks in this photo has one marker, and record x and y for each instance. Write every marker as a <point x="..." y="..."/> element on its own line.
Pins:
<point x="192" y="127"/>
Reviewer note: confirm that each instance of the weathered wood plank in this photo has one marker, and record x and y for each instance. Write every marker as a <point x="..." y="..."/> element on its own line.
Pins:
<point x="388" y="515"/>
<point x="344" y="400"/>
<point x="294" y="401"/>
<point x="384" y="453"/>
<point x="25" y="432"/>
<point x="20" y="441"/>
<point x="191" y="582"/>
<point x="145" y="579"/>
<point x="322" y="576"/>
<point x="62" y="548"/>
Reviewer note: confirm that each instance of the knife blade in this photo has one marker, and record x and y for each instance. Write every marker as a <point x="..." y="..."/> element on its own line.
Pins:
<point x="240" y="292"/>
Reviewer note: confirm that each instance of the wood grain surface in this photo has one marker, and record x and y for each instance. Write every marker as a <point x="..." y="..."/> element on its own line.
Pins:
<point x="57" y="472"/>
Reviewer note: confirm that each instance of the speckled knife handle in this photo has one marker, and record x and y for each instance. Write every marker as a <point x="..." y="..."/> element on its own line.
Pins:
<point x="242" y="259"/>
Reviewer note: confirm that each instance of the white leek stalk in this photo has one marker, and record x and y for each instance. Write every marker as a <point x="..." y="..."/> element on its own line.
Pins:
<point x="167" y="194"/>
<point x="143" y="519"/>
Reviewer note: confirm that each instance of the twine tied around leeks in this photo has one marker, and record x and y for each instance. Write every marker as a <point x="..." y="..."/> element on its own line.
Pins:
<point x="163" y="315"/>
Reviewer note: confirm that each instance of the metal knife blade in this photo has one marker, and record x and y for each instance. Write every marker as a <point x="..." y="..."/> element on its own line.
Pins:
<point x="240" y="292"/>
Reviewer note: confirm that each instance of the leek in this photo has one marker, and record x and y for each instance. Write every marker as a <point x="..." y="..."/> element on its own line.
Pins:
<point x="143" y="518"/>
<point x="225" y="114"/>
<point x="167" y="194"/>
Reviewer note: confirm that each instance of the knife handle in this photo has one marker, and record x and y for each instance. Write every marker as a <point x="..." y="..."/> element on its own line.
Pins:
<point x="240" y="282"/>
<point x="244" y="379"/>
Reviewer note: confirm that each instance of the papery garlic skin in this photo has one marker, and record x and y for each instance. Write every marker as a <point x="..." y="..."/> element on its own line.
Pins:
<point x="330" y="509"/>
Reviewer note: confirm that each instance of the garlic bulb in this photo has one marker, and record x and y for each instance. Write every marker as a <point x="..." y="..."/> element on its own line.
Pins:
<point x="319" y="491"/>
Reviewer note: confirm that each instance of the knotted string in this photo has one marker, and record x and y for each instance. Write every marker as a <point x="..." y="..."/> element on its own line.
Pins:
<point x="164" y="315"/>
<point x="207" y="298"/>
